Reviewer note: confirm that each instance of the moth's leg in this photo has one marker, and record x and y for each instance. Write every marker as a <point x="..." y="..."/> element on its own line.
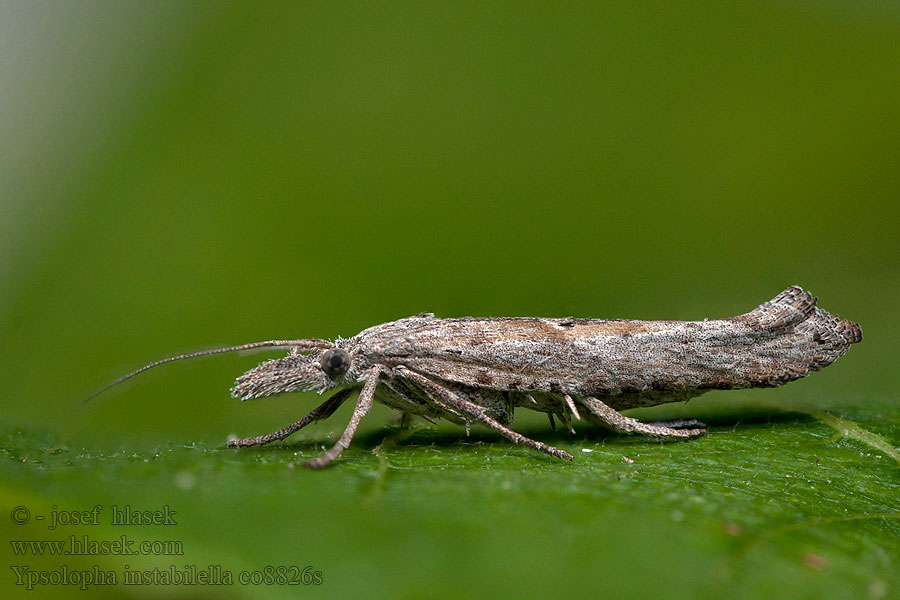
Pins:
<point x="570" y="404"/>
<point x="564" y="417"/>
<point x="510" y="411"/>
<point x="473" y="411"/>
<point x="407" y="398"/>
<point x="363" y="404"/>
<point x="495" y="403"/>
<point x="678" y="423"/>
<point x="323" y="411"/>
<point x="605" y="416"/>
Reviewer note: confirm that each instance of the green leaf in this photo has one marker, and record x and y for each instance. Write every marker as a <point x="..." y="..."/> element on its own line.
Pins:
<point x="796" y="506"/>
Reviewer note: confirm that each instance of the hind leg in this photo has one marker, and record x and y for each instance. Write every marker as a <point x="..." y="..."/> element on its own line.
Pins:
<point x="603" y="415"/>
<point x="679" y="423"/>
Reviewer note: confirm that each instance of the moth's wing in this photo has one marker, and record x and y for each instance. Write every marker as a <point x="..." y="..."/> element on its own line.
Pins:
<point x="800" y="335"/>
<point x="522" y="354"/>
<point x="781" y="340"/>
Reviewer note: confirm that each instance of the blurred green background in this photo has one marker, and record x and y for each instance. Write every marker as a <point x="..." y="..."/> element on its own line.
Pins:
<point x="179" y="175"/>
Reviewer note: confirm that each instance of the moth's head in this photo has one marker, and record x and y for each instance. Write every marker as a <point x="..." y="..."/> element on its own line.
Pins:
<point x="320" y="370"/>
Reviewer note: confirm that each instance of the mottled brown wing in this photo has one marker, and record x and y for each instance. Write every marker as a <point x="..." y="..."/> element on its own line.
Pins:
<point x="780" y="340"/>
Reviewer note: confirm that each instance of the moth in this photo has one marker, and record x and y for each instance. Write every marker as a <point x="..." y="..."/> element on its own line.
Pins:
<point x="480" y="369"/>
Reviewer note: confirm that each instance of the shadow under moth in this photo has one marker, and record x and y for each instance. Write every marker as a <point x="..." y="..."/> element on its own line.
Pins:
<point x="480" y="369"/>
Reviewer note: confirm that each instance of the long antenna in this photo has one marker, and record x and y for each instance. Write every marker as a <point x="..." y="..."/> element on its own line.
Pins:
<point x="299" y="345"/>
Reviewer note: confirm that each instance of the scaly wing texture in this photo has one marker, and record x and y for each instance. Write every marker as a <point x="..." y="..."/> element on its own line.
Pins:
<point x="799" y="336"/>
<point x="779" y="341"/>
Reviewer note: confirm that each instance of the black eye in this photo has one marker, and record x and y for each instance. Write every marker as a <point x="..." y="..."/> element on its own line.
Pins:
<point x="335" y="362"/>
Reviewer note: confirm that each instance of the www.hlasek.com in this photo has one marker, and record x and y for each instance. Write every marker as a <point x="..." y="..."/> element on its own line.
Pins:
<point x="84" y="545"/>
<point x="188" y="575"/>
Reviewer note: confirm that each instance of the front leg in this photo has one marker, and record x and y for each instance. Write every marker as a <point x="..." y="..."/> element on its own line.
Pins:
<point x="363" y="404"/>
<point x="323" y="411"/>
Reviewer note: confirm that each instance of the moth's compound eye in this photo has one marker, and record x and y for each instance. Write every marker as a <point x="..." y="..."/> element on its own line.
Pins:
<point x="335" y="362"/>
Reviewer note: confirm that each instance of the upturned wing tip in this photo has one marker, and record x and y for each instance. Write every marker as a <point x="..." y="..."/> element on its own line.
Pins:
<point x="796" y="309"/>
